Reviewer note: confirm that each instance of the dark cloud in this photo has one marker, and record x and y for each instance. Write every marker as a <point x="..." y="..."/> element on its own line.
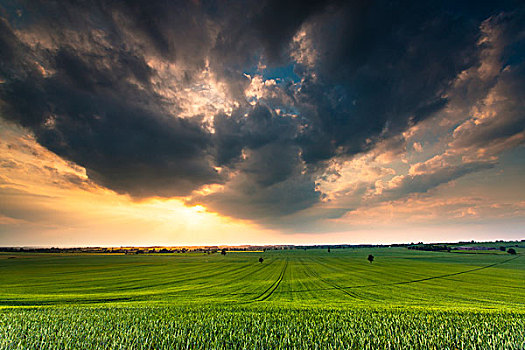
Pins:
<point x="84" y="78"/>
<point x="500" y="113"/>
<point x="386" y="66"/>
<point x="89" y="112"/>
<point x="247" y="199"/>
<point x="272" y="179"/>
<point x="279" y="20"/>
<point x="257" y="127"/>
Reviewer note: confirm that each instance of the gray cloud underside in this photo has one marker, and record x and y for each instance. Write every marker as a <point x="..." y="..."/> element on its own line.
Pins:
<point x="89" y="95"/>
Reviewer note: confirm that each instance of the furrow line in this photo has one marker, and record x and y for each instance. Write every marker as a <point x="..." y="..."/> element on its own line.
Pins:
<point x="269" y="291"/>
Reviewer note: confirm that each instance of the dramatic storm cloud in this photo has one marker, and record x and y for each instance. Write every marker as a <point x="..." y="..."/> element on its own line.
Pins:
<point x="279" y="112"/>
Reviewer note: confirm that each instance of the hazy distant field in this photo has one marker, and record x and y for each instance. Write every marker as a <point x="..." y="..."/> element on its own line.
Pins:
<point x="410" y="299"/>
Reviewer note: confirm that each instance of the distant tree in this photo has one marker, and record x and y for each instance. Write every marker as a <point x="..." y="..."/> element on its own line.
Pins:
<point x="328" y="249"/>
<point x="370" y="258"/>
<point x="223" y="251"/>
<point x="261" y="260"/>
<point x="502" y="248"/>
<point x="511" y="251"/>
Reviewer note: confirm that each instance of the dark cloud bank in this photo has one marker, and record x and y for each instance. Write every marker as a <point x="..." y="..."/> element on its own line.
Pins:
<point x="77" y="75"/>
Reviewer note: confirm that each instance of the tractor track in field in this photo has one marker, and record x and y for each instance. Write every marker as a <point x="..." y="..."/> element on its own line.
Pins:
<point x="262" y="267"/>
<point x="417" y="280"/>
<point x="181" y="281"/>
<point x="444" y="276"/>
<point x="334" y="285"/>
<point x="269" y="291"/>
<point x="338" y="287"/>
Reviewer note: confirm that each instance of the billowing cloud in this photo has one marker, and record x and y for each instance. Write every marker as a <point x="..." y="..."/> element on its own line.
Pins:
<point x="270" y="111"/>
<point x="94" y="104"/>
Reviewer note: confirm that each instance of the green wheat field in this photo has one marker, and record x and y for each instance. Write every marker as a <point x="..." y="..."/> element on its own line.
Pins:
<point x="296" y="299"/>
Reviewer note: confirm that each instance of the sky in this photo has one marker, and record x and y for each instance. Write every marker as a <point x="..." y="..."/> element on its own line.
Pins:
<point x="261" y="122"/>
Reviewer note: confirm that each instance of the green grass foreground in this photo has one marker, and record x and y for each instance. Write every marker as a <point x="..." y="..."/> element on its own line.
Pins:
<point x="294" y="299"/>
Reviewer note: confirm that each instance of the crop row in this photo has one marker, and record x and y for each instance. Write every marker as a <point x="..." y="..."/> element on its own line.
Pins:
<point x="233" y="327"/>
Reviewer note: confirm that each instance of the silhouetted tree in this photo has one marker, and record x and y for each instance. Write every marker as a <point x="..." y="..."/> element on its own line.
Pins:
<point x="261" y="260"/>
<point x="223" y="251"/>
<point x="511" y="251"/>
<point x="328" y="249"/>
<point x="370" y="258"/>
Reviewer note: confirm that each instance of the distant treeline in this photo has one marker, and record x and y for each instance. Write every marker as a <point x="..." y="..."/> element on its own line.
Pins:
<point x="471" y="245"/>
<point x="164" y="250"/>
<point x="431" y="247"/>
<point x="108" y="250"/>
<point x="461" y="246"/>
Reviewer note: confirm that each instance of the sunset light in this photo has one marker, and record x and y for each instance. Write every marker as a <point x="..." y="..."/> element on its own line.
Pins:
<point x="262" y="174"/>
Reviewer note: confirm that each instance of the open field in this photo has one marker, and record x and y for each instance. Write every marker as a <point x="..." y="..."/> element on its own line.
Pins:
<point x="409" y="299"/>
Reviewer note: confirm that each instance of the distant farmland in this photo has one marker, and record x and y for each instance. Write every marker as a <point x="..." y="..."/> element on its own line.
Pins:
<point x="294" y="298"/>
